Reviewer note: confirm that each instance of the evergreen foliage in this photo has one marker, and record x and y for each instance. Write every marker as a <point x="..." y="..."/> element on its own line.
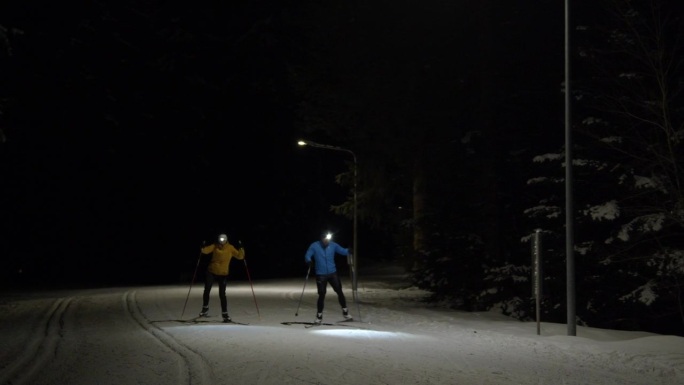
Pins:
<point x="628" y="167"/>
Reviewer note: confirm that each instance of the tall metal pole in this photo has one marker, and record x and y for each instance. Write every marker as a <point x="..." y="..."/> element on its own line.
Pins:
<point x="537" y="274"/>
<point x="355" y="212"/>
<point x="355" y="245"/>
<point x="569" y="211"/>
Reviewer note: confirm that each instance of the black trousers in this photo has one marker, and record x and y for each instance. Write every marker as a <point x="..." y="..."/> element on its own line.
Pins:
<point x="322" y="284"/>
<point x="208" y="283"/>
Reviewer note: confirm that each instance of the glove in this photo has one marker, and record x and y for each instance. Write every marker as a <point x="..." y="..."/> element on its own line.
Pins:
<point x="239" y="244"/>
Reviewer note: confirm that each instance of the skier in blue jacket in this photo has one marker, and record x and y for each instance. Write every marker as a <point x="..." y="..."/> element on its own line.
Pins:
<point x="322" y="253"/>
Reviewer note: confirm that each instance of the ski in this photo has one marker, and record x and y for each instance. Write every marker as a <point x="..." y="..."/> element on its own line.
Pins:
<point x="312" y="324"/>
<point x="198" y="320"/>
<point x="234" y="322"/>
<point x="352" y="321"/>
<point x="307" y="324"/>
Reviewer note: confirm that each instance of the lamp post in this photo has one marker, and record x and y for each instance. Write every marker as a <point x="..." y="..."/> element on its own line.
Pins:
<point x="355" y="243"/>
<point x="569" y="203"/>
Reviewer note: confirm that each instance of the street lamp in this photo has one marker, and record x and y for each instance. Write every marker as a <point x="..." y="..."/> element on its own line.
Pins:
<point x="355" y="243"/>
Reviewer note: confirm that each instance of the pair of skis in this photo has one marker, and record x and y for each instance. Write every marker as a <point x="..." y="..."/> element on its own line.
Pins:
<point x="205" y="319"/>
<point x="313" y="324"/>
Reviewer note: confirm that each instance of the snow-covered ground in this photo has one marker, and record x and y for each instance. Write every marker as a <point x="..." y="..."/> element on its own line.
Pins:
<point x="132" y="335"/>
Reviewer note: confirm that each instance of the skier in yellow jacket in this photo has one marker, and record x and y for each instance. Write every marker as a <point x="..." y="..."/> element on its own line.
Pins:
<point x="217" y="270"/>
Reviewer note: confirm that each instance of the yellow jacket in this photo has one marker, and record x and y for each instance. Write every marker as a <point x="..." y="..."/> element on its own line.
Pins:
<point x="221" y="256"/>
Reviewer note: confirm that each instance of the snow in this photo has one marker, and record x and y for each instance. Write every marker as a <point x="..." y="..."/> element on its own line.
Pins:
<point x="608" y="210"/>
<point x="131" y="335"/>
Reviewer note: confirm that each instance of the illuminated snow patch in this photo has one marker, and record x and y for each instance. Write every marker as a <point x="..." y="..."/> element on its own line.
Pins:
<point x="357" y="333"/>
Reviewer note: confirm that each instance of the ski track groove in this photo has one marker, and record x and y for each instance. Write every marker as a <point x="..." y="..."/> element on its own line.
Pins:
<point x="194" y="368"/>
<point x="39" y="348"/>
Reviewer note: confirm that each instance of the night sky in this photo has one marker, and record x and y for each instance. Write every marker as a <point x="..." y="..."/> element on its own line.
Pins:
<point x="136" y="130"/>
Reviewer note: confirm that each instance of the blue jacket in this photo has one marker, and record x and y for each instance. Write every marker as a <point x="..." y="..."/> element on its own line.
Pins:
<point x="324" y="257"/>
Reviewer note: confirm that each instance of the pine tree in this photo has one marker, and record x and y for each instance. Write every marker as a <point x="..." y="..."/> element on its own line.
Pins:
<point x="628" y="165"/>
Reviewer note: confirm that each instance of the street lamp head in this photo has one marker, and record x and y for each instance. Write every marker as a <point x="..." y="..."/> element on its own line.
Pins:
<point x="302" y="142"/>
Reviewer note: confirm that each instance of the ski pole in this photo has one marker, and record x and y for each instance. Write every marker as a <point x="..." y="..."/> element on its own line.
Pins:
<point x="302" y="296"/>
<point x="356" y="295"/>
<point x="250" y="280"/>
<point x="350" y="263"/>
<point x="352" y="275"/>
<point x="250" y="284"/>
<point x="191" y="283"/>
